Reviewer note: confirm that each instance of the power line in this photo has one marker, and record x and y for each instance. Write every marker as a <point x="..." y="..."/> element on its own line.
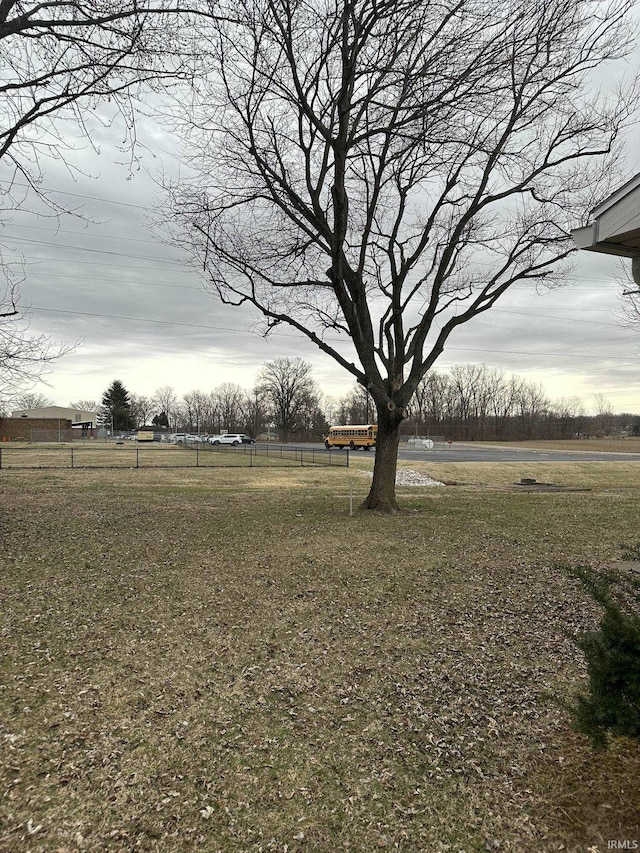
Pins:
<point x="561" y="353"/>
<point x="200" y="289"/>
<point x="552" y="317"/>
<point x="576" y="281"/>
<point x="95" y="251"/>
<point x="99" y="263"/>
<point x="75" y="195"/>
<point x="117" y="281"/>
<point x="78" y="233"/>
<point x="156" y="283"/>
<point x="142" y="320"/>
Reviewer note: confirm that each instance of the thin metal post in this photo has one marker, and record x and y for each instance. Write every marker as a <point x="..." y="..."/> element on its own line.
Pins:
<point x="72" y="457"/>
<point x="347" y="458"/>
<point x="137" y="456"/>
<point x="197" y="456"/>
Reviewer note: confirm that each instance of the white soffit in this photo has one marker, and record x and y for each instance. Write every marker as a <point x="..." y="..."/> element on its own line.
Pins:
<point x="615" y="229"/>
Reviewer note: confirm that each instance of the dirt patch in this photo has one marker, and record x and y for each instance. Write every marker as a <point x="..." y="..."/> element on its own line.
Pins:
<point x="547" y="487"/>
<point x="528" y="484"/>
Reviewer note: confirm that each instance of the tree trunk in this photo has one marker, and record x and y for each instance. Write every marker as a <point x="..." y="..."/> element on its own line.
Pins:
<point x="382" y="495"/>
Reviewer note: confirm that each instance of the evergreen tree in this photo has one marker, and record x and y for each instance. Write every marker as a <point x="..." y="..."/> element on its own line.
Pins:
<point x="116" y="401"/>
<point x="612" y="653"/>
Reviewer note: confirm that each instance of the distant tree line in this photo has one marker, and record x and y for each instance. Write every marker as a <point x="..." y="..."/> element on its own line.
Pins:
<point x="469" y="402"/>
<point x="285" y="401"/>
<point x="476" y="402"/>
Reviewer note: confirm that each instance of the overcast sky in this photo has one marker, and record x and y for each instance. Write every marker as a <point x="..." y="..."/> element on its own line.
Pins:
<point x="103" y="278"/>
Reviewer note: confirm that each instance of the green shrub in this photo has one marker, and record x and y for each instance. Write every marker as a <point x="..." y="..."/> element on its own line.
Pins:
<point x="612" y="704"/>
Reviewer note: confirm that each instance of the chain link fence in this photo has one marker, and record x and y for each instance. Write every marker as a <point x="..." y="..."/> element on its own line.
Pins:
<point x="133" y="455"/>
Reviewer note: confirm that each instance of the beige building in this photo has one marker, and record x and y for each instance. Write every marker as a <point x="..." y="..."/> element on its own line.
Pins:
<point x="88" y="420"/>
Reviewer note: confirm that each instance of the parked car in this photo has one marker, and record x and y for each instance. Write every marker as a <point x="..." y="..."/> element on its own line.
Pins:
<point x="185" y="438"/>
<point x="233" y="438"/>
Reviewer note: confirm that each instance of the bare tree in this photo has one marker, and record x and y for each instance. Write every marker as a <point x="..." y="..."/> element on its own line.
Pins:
<point x="356" y="407"/>
<point x="32" y="400"/>
<point x="165" y="400"/>
<point x="532" y="406"/>
<point x="331" y="410"/>
<point x="505" y="392"/>
<point x="63" y="62"/>
<point x="310" y="424"/>
<point x="432" y="397"/>
<point x="479" y="399"/>
<point x="24" y="356"/>
<point x="385" y="171"/>
<point x="630" y="281"/>
<point x="604" y="420"/>
<point x="84" y="405"/>
<point x="229" y="405"/>
<point x="195" y="409"/>
<point x="290" y="391"/>
<point x="141" y="409"/>
<point x="569" y="413"/>
<point x="255" y="415"/>
<point x="210" y="418"/>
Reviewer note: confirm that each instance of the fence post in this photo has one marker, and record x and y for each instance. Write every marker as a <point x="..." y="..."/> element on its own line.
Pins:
<point x="347" y="458"/>
<point x="72" y="457"/>
<point x="250" y="457"/>
<point x="197" y="456"/>
<point x="0" y="458"/>
<point x="137" y="456"/>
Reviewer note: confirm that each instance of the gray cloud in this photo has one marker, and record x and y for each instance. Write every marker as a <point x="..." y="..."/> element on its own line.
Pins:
<point x="100" y="274"/>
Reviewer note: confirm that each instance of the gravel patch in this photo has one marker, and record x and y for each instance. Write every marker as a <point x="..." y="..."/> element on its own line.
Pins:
<point x="411" y="477"/>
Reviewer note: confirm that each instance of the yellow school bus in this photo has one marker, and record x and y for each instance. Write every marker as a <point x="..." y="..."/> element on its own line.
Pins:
<point x="352" y="436"/>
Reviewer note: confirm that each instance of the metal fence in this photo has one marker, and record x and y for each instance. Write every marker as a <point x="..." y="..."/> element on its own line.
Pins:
<point x="134" y="455"/>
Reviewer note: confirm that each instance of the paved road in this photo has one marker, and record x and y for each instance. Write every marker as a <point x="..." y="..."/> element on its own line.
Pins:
<point x="480" y="453"/>
<point x="484" y="453"/>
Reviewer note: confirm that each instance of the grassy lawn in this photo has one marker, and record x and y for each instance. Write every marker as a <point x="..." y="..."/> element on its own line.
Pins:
<point x="226" y="660"/>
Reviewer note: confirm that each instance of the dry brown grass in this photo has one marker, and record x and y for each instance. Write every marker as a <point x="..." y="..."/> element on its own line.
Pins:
<point x="225" y="660"/>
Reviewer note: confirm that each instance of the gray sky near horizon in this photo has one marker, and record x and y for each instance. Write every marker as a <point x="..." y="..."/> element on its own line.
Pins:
<point x="101" y="276"/>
